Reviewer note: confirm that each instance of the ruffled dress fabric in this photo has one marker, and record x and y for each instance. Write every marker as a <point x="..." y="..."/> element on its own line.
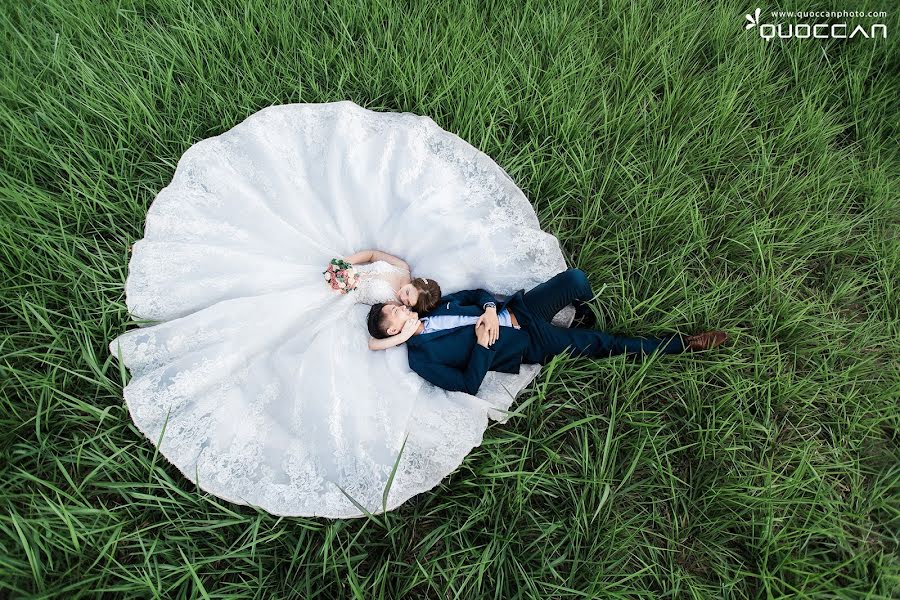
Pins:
<point x="252" y="375"/>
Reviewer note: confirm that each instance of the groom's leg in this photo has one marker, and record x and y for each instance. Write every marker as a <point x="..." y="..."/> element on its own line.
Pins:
<point x="548" y="298"/>
<point x="552" y="340"/>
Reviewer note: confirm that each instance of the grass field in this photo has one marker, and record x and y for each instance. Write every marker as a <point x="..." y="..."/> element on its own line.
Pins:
<point x="707" y="178"/>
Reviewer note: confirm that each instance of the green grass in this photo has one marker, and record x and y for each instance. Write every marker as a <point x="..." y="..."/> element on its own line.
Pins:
<point x="705" y="177"/>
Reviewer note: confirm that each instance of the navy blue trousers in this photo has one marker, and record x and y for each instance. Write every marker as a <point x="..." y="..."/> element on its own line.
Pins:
<point x="545" y="300"/>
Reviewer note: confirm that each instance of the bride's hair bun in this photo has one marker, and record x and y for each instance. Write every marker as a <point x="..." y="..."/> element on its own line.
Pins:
<point x="429" y="294"/>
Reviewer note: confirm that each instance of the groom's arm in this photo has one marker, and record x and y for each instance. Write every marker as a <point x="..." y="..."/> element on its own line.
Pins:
<point x="478" y="297"/>
<point x="458" y="380"/>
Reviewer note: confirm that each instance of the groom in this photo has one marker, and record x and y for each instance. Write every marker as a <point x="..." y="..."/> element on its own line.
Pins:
<point x="469" y="334"/>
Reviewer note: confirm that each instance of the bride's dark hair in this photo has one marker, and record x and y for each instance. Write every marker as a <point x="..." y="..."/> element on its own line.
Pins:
<point x="429" y="295"/>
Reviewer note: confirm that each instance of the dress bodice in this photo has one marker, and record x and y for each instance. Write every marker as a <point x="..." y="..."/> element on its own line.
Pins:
<point x="378" y="282"/>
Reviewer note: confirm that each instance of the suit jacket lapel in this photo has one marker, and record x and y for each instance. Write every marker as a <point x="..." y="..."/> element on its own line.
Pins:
<point x="449" y="307"/>
<point x="445" y="308"/>
<point x="430" y="337"/>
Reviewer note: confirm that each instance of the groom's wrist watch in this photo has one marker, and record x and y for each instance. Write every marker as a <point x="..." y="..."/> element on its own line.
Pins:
<point x="488" y="305"/>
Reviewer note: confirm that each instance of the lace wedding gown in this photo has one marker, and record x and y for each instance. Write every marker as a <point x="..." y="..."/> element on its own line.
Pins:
<point x="253" y="376"/>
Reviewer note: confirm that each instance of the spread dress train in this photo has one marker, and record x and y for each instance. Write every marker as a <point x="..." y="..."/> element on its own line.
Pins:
<point x="252" y="375"/>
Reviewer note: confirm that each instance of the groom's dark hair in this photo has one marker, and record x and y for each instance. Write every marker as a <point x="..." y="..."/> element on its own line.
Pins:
<point x="376" y="322"/>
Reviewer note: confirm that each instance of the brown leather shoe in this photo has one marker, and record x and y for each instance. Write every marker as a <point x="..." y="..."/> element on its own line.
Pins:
<point x="704" y="340"/>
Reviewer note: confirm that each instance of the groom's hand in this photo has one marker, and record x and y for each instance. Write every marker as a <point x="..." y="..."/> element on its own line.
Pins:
<point x="482" y="335"/>
<point x="492" y="323"/>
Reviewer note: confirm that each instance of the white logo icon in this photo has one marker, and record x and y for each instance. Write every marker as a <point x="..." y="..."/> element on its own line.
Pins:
<point x="754" y="19"/>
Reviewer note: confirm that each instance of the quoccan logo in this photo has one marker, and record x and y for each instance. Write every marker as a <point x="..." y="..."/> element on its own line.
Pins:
<point x="802" y="31"/>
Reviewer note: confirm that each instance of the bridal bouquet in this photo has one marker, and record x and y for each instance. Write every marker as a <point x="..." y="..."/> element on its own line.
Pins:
<point x="341" y="276"/>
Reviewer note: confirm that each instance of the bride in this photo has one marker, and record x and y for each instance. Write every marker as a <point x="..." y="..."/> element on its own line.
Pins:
<point x="256" y="378"/>
<point x="388" y="279"/>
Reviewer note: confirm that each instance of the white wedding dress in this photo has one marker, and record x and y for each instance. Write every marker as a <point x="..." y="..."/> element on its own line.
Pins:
<point x="253" y="376"/>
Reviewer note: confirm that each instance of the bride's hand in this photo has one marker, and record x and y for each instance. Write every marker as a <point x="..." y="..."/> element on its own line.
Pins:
<point x="410" y="327"/>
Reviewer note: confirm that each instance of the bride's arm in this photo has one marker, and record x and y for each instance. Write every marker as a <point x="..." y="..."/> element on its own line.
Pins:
<point x="364" y="256"/>
<point x="397" y="262"/>
<point x="390" y="342"/>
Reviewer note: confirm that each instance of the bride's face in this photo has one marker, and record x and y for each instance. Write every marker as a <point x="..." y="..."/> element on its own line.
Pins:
<point x="408" y="294"/>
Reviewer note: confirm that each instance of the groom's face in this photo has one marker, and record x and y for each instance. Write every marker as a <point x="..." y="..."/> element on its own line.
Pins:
<point x="395" y="315"/>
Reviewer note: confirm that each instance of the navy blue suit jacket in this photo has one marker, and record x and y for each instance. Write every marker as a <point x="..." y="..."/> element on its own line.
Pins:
<point x="452" y="358"/>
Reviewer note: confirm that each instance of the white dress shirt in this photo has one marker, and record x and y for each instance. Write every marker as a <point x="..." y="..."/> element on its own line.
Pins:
<point x="439" y="322"/>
